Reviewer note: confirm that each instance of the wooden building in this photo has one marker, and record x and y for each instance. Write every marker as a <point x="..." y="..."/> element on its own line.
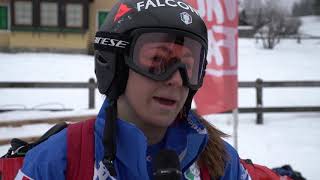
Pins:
<point x="51" y="25"/>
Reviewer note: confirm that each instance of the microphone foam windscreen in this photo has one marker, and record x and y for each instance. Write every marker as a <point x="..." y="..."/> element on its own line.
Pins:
<point x="166" y="165"/>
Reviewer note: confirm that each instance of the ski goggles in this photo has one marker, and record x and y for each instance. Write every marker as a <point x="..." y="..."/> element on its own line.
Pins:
<point x="158" y="54"/>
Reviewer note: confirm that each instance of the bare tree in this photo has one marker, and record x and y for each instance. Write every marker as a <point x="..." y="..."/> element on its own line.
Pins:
<point x="291" y="26"/>
<point x="252" y="5"/>
<point x="270" y="23"/>
<point x="253" y="10"/>
<point x="270" y="20"/>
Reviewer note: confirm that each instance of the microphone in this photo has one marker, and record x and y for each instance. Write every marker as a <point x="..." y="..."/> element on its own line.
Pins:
<point x="166" y="166"/>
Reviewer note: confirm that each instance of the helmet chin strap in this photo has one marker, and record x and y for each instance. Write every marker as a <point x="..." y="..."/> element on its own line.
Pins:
<point x="109" y="139"/>
<point x="187" y="104"/>
<point x="110" y="127"/>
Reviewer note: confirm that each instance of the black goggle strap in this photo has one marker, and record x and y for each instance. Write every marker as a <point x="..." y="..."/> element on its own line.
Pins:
<point x="111" y="42"/>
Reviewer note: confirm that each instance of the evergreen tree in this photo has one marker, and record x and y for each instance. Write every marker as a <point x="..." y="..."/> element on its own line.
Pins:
<point x="296" y="9"/>
<point x="316" y="7"/>
<point x="303" y="8"/>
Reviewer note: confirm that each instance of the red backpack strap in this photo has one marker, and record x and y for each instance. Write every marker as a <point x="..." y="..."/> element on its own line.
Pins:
<point x="258" y="172"/>
<point x="9" y="167"/>
<point x="80" y="150"/>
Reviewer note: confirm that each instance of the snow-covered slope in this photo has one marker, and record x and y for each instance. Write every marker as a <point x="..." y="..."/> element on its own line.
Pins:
<point x="310" y="25"/>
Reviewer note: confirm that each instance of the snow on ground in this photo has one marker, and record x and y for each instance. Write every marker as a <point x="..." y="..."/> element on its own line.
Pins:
<point x="285" y="138"/>
<point x="288" y="61"/>
<point x="288" y="138"/>
<point x="44" y="67"/>
<point x="310" y="25"/>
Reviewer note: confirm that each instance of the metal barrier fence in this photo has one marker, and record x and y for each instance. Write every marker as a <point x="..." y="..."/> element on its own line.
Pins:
<point x="91" y="85"/>
<point x="259" y="84"/>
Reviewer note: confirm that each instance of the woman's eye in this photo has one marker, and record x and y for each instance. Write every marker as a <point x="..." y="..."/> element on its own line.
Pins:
<point x="157" y="59"/>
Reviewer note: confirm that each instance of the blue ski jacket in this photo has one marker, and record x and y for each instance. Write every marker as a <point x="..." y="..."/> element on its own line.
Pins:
<point x="133" y="157"/>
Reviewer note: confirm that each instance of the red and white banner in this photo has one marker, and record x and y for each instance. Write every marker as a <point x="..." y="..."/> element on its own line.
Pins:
<point x="219" y="92"/>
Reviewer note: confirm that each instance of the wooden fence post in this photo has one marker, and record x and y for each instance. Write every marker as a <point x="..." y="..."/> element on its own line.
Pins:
<point x="259" y="87"/>
<point x="92" y="88"/>
<point x="299" y="39"/>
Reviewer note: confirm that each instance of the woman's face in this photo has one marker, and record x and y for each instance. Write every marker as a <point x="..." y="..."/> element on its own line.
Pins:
<point x="156" y="103"/>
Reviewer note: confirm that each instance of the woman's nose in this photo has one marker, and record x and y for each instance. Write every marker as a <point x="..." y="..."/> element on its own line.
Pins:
<point x="175" y="79"/>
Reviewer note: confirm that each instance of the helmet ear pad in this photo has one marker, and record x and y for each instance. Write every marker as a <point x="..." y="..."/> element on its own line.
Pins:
<point x="105" y="69"/>
<point x="111" y="72"/>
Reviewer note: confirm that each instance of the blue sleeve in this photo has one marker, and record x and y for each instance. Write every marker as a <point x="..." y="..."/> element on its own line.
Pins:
<point x="234" y="169"/>
<point x="48" y="159"/>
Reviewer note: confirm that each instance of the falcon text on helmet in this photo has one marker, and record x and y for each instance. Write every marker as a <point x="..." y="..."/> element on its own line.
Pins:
<point x="147" y="4"/>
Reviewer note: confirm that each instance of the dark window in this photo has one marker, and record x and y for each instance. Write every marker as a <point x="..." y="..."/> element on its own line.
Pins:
<point x="3" y="17"/>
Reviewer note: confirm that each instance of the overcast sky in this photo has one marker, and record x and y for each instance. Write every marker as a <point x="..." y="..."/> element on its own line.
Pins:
<point x="288" y="3"/>
<point x="285" y="3"/>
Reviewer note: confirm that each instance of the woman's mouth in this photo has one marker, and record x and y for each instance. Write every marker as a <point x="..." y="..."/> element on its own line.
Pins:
<point x="165" y="101"/>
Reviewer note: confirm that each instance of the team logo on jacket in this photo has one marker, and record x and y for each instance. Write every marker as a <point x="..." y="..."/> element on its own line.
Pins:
<point x="193" y="173"/>
<point x="101" y="172"/>
<point x="186" y="18"/>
